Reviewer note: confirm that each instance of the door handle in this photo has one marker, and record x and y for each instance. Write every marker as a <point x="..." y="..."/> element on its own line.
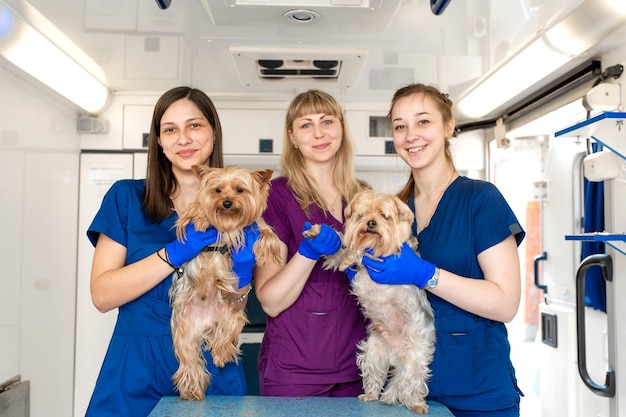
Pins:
<point x="539" y="258"/>
<point x="605" y="262"/>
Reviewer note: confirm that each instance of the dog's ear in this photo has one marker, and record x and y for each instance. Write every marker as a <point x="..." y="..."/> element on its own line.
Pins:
<point x="352" y="205"/>
<point x="200" y="170"/>
<point x="404" y="212"/>
<point x="263" y="176"/>
<point x="356" y="201"/>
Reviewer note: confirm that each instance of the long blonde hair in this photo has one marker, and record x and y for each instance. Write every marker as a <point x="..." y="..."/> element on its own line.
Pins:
<point x="292" y="164"/>
<point x="443" y="103"/>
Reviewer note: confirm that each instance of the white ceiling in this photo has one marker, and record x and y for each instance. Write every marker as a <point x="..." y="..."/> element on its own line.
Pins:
<point x="383" y="44"/>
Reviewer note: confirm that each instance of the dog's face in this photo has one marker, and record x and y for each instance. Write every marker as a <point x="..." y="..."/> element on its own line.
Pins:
<point x="381" y="222"/>
<point x="232" y="197"/>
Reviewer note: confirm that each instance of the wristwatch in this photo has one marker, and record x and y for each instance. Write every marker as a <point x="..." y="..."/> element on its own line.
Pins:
<point x="434" y="280"/>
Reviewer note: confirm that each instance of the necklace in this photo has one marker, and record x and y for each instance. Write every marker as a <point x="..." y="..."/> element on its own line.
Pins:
<point x="432" y="211"/>
<point x="331" y="206"/>
<point x="334" y="199"/>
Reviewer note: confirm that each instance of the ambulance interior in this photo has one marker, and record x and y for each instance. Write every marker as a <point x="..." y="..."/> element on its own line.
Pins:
<point x="79" y="79"/>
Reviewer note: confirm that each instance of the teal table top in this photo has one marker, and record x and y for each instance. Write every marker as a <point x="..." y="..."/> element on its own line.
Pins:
<point x="233" y="406"/>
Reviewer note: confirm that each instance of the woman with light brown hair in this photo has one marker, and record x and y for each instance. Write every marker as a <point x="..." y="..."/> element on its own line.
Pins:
<point x="314" y="322"/>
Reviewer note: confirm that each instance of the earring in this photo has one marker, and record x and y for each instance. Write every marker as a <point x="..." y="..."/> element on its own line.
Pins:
<point x="296" y="146"/>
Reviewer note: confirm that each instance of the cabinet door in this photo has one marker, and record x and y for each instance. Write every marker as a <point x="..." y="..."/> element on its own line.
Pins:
<point x="247" y="131"/>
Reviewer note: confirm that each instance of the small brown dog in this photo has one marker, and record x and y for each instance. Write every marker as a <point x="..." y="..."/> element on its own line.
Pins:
<point x="394" y="359"/>
<point x="207" y="309"/>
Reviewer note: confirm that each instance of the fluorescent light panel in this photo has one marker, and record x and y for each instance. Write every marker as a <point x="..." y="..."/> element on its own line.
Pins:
<point x="33" y="53"/>
<point x="572" y="36"/>
<point x="518" y="74"/>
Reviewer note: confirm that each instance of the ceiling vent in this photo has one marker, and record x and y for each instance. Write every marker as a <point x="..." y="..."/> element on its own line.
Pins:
<point x="278" y="69"/>
<point x="298" y="66"/>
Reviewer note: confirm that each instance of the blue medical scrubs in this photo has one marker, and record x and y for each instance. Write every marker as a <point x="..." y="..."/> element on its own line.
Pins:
<point x="139" y="363"/>
<point x="471" y="369"/>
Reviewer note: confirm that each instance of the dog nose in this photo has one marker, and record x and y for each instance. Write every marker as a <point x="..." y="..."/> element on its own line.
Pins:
<point x="371" y="224"/>
<point x="227" y="204"/>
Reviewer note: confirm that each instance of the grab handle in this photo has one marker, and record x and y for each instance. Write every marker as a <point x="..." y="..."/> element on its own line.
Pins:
<point x="538" y="258"/>
<point x="605" y="262"/>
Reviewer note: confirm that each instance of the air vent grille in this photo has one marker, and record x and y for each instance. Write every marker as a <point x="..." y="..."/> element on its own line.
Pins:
<point x="277" y="69"/>
<point x="283" y="68"/>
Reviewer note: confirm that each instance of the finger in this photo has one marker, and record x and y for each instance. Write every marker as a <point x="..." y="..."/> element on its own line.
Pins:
<point x="371" y="260"/>
<point x="372" y="269"/>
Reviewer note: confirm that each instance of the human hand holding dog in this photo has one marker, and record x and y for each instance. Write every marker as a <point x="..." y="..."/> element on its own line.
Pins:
<point x="180" y="251"/>
<point x="327" y="242"/>
<point x="243" y="258"/>
<point x="405" y="268"/>
<point x="350" y="272"/>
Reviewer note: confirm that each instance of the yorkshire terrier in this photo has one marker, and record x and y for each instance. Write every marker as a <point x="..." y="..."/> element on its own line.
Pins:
<point x="395" y="358"/>
<point x="208" y="311"/>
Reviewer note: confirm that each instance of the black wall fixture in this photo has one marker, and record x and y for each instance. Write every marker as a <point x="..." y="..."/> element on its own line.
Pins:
<point x="163" y="4"/>
<point x="438" y="6"/>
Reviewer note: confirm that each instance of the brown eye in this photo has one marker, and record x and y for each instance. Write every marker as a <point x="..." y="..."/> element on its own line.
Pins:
<point x="218" y="190"/>
<point x="240" y="190"/>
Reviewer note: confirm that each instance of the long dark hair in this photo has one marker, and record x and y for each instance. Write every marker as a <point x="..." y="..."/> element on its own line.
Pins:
<point x="160" y="180"/>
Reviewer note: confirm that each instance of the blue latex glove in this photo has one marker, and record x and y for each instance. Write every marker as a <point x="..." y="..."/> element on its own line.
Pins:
<point x="405" y="268"/>
<point x="350" y="272"/>
<point x="243" y="258"/>
<point x="180" y="251"/>
<point x="326" y="243"/>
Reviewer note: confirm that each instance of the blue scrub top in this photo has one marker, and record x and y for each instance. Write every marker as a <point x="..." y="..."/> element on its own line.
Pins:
<point x="139" y="363"/>
<point x="471" y="369"/>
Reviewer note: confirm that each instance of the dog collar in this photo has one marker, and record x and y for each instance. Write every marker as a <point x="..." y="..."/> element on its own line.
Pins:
<point x="221" y="249"/>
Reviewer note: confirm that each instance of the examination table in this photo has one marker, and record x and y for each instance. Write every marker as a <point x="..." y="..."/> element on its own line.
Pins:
<point x="249" y="406"/>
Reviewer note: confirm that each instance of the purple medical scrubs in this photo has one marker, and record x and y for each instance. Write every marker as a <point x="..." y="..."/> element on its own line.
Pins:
<point x="313" y="341"/>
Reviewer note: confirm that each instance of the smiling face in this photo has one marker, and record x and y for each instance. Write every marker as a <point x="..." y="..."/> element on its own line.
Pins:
<point x="317" y="136"/>
<point x="185" y="135"/>
<point x="419" y="130"/>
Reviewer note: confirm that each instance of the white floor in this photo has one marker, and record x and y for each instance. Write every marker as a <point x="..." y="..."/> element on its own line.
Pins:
<point x="526" y="363"/>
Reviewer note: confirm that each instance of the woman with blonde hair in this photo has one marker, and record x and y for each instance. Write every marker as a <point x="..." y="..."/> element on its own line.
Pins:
<point x="314" y="322"/>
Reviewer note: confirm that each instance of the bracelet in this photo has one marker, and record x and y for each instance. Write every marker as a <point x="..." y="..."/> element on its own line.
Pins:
<point x="245" y="296"/>
<point x="179" y="269"/>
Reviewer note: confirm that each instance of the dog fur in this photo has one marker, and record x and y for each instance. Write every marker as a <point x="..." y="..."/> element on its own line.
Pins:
<point x="207" y="313"/>
<point x="395" y="358"/>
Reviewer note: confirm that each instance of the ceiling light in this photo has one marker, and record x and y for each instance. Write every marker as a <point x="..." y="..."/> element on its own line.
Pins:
<point x="576" y="33"/>
<point x="37" y="51"/>
<point x="301" y="16"/>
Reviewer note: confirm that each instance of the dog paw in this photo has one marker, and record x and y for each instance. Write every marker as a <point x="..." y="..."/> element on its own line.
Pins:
<point x="312" y="232"/>
<point x="368" y="397"/>
<point x="420" y="408"/>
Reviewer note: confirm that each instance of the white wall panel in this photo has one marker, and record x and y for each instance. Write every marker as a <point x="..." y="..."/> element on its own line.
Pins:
<point x="136" y="121"/>
<point x="12" y="188"/>
<point x="243" y="128"/>
<point x="48" y="282"/>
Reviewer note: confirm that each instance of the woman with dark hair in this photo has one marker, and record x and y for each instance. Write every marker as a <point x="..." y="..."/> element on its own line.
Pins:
<point x="136" y="252"/>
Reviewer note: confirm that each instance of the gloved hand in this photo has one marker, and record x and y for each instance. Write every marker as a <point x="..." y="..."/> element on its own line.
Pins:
<point x="326" y="243"/>
<point x="180" y="251"/>
<point x="405" y="268"/>
<point x="243" y="258"/>
<point x="350" y="272"/>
